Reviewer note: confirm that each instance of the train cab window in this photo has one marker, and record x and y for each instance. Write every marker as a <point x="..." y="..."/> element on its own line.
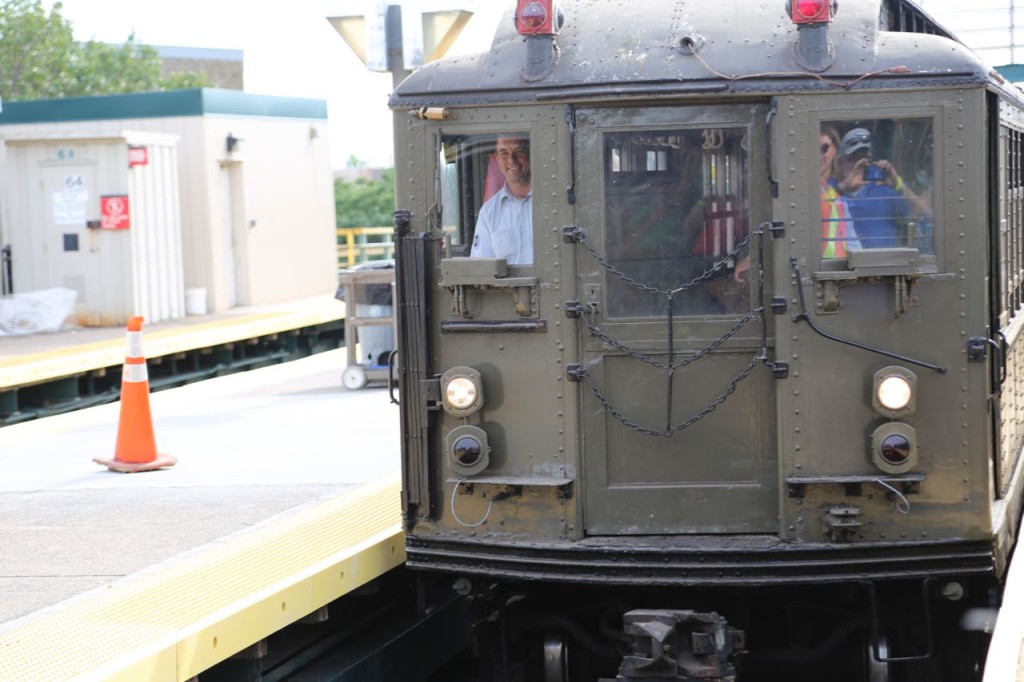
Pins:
<point x="675" y="219"/>
<point x="876" y="179"/>
<point x="486" y="198"/>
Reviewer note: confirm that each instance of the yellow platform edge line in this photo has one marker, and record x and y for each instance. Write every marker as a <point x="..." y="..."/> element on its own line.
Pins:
<point x="197" y="611"/>
<point x="195" y="650"/>
<point x="36" y="367"/>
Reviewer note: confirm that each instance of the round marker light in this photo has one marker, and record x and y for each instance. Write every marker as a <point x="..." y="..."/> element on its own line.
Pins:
<point x="467" y="451"/>
<point x="894" y="392"/>
<point x="811" y="9"/>
<point x="895" y="449"/>
<point x="460" y="393"/>
<point x="533" y="16"/>
<point x="810" y="12"/>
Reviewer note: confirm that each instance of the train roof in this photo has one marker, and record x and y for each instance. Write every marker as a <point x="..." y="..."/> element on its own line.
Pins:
<point x="623" y="47"/>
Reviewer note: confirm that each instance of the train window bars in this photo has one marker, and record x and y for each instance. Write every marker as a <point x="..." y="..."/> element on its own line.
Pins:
<point x="676" y="207"/>
<point x="876" y="180"/>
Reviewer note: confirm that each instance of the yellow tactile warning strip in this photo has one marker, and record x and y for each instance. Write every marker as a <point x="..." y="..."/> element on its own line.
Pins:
<point x="26" y="369"/>
<point x="176" y="620"/>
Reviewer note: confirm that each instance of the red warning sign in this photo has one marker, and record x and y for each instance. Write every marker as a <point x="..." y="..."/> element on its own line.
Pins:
<point x="138" y="156"/>
<point x="114" y="213"/>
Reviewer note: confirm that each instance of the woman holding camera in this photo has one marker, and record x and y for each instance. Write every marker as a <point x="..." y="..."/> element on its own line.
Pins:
<point x="837" y="230"/>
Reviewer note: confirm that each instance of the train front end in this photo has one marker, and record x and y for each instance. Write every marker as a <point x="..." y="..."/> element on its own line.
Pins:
<point x="713" y="370"/>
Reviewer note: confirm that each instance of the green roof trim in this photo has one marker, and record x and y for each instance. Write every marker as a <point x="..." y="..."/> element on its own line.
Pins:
<point x="197" y="102"/>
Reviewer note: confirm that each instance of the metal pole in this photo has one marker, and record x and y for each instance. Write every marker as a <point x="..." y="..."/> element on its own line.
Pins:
<point x="6" y="269"/>
<point x="396" y="58"/>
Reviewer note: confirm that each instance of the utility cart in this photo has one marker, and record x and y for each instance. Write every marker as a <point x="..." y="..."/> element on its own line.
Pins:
<point x="368" y="293"/>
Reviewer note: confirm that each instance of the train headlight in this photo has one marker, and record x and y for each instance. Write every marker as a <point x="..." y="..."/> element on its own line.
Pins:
<point x="468" y="451"/>
<point x="462" y="392"/>
<point x="894" y="448"/>
<point x="895" y="392"/>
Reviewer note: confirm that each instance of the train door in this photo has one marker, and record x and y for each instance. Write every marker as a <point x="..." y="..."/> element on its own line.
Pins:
<point x="677" y="410"/>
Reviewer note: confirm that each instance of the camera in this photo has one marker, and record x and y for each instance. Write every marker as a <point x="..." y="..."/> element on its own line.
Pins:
<point x="873" y="173"/>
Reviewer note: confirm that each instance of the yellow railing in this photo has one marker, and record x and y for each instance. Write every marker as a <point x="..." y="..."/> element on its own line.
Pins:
<point x="362" y="244"/>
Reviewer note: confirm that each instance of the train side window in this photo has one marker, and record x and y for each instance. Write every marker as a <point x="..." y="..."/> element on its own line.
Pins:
<point x="676" y="215"/>
<point x="474" y="170"/>
<point x="876" y="182"/>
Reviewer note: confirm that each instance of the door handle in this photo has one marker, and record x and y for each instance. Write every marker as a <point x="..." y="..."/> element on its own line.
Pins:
<point x="391" y="377"/>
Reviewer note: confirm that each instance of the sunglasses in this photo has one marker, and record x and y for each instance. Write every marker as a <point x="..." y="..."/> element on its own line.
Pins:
<point x="825" y="147"/>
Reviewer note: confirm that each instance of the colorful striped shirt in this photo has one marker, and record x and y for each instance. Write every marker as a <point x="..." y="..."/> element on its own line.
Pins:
<point x="837" y="233"/>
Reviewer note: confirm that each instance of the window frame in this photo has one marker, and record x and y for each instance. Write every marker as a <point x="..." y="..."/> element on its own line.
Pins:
<point x="593" y="123"/>
<point x="468" y="217"/>
<point x="853" y="116"/>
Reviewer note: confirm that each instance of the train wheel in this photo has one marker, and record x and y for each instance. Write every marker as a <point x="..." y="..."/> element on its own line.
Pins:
<point x="556" y="659"/>
<point x="353" y="377"/>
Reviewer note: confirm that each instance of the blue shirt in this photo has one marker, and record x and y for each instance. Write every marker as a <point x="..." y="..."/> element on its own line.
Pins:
<point x="879" y="213"/>
<point x="504" y="228"/>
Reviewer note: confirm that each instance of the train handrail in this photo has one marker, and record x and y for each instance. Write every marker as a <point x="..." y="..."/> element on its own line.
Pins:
<point x="364" y="244"/>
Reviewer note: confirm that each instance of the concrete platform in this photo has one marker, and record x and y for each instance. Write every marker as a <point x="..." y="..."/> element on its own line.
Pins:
<point x="254" y="449"/>
<point x="1005" y="660"/>
<point x="37" y="357"/>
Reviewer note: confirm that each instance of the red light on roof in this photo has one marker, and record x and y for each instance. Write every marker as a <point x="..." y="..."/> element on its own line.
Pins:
<point x="811" y="11"/>
<point x="535" y="17"/>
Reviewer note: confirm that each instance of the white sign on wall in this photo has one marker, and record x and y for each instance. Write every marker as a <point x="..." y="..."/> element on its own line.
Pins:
<point x="69" y="206"/>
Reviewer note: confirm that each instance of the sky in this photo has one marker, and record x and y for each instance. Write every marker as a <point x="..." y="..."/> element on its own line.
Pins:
<point x="993" y="28"/>
<point x="291" y="50"/>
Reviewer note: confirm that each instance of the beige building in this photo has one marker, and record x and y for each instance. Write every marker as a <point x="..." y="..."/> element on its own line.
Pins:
<point x="142" y="202"/>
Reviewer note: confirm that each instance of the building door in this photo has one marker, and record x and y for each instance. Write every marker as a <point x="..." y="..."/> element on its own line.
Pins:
<point x="62" y="245"/>
<point x="235" y="234"/>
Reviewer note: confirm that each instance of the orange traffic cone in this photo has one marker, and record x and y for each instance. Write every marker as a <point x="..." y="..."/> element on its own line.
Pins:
<point x="136" y="445"/>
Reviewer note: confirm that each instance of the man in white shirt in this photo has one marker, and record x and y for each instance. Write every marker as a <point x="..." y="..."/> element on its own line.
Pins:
<point x="504" y="228"/>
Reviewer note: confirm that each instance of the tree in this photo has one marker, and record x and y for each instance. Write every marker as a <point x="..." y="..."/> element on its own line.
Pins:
<point x="35" y="50"/>
<point x="40" y="59"/>
<point x="365" y="202"/>
<point x="133" y="67"/>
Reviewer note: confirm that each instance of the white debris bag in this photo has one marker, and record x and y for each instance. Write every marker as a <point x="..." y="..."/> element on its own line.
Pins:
<point x="35" y="311"/>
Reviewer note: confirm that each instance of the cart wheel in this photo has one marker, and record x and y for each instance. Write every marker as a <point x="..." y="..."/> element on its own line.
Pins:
<point x="353" y="377"/>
